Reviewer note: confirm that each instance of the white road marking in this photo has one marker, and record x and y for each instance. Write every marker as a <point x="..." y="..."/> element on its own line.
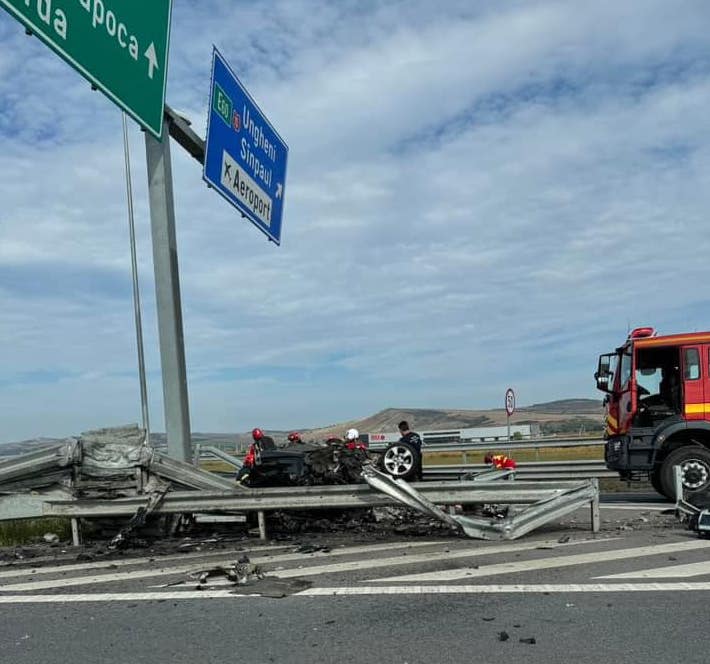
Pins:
<point x="125" y="562"/>
<point x="363" y="590"/>
<point x="226" y="557"/>
<point x="355" y="565"/>
<point x="666" y="572"/>
<point x="640" y="507"/>
<point x="517" y="588"/>
<point x="548" y="563"/>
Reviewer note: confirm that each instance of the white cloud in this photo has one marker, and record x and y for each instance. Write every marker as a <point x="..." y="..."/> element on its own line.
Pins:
<point x="477" y="196"/>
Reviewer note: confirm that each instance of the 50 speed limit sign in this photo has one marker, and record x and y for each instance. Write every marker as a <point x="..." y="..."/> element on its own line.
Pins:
<point x="509" y="401"/>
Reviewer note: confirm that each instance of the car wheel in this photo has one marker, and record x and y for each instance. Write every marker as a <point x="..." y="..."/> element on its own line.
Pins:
<point x="402" y="460"/>
<point x="694" y="461"/>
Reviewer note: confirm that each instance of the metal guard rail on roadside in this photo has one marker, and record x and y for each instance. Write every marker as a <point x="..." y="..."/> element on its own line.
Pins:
<point x="528" y="470"/>
<point x="546" y="502"/>
<point x="316" y="497"/>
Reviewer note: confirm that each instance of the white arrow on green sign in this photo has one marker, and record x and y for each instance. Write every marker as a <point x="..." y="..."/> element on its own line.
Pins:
<point x="121" y="46"/>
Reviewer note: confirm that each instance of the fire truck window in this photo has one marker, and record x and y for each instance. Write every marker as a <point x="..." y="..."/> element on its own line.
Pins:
<point x="624" y="370"/>
<point x="649" y="380"/>
<point x="691" y="368"/>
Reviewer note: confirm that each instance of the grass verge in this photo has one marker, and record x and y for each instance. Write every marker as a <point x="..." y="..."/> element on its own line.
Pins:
<point x="28" y="531"/>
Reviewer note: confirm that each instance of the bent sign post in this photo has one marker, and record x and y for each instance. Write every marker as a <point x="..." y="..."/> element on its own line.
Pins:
<point x="120" y="46"/>
<point x="245" y="158"/>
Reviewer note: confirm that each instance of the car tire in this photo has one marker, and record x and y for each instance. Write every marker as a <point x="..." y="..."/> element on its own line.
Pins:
<point x="402" y="461"/>
<point x="695" y="462"/>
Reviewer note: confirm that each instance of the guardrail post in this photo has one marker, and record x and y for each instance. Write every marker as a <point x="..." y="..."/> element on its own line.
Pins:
<point x="262" y="525"/>
<point x="596" y="519"/>
<point x="465" y="457"/>
<point x="75" y="532"/>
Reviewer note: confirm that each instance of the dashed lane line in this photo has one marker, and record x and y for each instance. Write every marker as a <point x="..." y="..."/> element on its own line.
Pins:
<point x="358" y="565"/>
<point x="548" y="563"/>
<point x="126" y="562"/>
<point x="226" y="557"/>
<point x="666" y="572"/>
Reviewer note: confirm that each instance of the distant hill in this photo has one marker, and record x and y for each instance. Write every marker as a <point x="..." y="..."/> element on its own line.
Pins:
<point x="566" y="406"/>
<point x="566" y="416"/>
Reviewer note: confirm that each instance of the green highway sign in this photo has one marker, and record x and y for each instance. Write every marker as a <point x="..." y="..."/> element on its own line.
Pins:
<point x="121" y="46"/>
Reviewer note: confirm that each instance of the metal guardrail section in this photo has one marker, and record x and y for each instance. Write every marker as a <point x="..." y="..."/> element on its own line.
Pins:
<point x="461" y="444"/>
<point x="514" y="524"/>
<point x="549" y="501"/>
<point x="107" y="462"/>
<point x="187" y="475"/>
<point x="27" y="465"/>
<point x="316" y="497"/>
<point x="684" y="510"/>
<point x="207" y="451"/>
<point x="528" y="470"/>
<point x="512" y="445"/>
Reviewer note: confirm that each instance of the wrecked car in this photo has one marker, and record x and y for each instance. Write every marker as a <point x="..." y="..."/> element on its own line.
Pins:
<point x="333" y="462"/>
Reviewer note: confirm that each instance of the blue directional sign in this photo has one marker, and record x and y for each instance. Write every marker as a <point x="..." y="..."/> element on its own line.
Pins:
<point x="245" y="159"/>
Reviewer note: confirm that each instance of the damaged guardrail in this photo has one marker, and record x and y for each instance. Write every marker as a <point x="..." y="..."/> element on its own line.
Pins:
<point x="547" y="502"/>
<point x="107" y="463"/>
<point x="510" y="526"/>
<point x="112" y="473"/>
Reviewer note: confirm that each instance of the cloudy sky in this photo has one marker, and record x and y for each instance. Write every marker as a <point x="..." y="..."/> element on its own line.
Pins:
<point x="480" y="194"/>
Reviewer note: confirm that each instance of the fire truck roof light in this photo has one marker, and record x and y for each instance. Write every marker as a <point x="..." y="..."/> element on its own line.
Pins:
<point x="642" y="332"/>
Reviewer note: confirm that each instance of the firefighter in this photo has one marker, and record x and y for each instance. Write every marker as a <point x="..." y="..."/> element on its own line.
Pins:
<point x="352" y="440"/>
<point x="500" y="461"/>
<point x="262" y="441"/>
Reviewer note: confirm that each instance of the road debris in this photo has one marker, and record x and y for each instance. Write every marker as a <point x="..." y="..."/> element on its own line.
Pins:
<point x="247" y="579"/>
<point x="240" y="573"/>
<point x="156" y="491"/>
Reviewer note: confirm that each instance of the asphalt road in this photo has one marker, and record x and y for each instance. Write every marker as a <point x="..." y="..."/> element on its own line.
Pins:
<point x="637" y="591"/>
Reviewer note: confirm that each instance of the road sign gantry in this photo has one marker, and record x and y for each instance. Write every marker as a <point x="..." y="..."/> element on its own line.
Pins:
<point x="245" y="158"/>
<point x="120" y="46"/>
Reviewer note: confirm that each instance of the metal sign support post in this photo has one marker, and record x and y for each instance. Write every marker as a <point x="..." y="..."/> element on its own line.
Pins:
<point x="167" y="290"/>
<point x="136" y="288"/>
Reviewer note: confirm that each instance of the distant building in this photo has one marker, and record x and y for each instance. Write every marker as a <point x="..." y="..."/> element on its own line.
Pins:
<point x="473" y="435"/>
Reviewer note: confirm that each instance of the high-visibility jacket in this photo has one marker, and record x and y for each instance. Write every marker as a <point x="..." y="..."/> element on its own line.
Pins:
<point x="501" y="462"/>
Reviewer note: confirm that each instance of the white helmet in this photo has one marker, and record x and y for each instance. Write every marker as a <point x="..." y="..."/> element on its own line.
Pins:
<point x="352" y="434"/>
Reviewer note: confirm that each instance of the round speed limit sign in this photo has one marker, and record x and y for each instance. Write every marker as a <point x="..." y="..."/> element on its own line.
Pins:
<point x="509" y="401"/>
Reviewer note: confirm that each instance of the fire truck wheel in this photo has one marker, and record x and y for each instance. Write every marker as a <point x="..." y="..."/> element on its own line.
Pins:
<point x="656" y="481"/>
<point x="694" y="461"/>
<point x="402" y="460"/>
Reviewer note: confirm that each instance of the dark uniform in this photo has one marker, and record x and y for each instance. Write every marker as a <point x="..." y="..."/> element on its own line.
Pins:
<point x="413" y="439"/>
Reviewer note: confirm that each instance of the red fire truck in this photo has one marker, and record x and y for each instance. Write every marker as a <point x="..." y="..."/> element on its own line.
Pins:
<point x="657" y="408"/>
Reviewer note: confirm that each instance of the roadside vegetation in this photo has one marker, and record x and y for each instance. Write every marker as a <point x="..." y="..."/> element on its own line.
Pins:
<point x="29" y="531"/>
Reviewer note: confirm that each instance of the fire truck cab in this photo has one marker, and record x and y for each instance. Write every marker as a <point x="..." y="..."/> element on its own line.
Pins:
<point x="657" y="408"/>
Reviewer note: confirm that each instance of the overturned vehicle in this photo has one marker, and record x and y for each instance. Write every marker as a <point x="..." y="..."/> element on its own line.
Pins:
<point x="333" y="462"/>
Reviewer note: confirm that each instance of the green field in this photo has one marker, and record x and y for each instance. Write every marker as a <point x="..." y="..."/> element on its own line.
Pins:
<point x="595" y="452"/>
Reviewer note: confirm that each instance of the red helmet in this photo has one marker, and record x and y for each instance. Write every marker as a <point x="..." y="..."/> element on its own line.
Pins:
<point x="257" y="434"/>
<point x="294" y="437"/>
